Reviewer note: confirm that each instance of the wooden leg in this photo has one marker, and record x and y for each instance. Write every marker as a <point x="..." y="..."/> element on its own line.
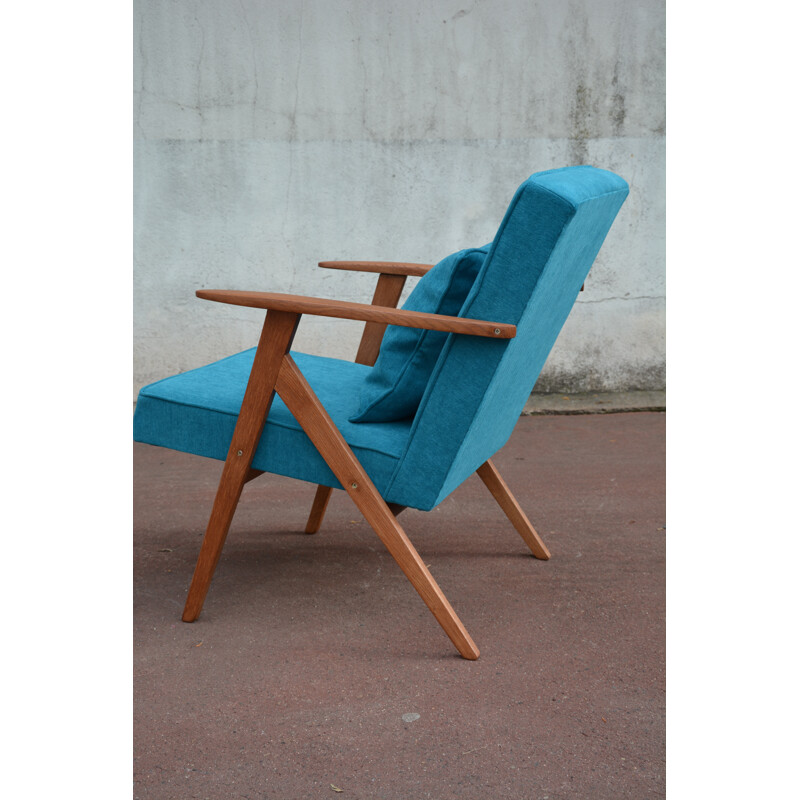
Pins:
<point x="308" y="411"/>
<point x="497" y="486"/>
<point x="321" y="499"/>
<point x="276" y="339"/>
<point x="387" y="294"/>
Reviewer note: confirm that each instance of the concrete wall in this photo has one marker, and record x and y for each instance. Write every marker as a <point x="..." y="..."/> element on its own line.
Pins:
<point x="271" y="135"/>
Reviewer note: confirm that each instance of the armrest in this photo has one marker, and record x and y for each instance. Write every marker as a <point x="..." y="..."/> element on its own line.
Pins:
<point x="341" y="309"/>
<point x="382" y="267"/>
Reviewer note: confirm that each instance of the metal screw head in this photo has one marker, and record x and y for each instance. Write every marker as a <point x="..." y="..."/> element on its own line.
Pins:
<point x="354" y="485"/>
<point x="497" y="331"/>
<point x="238" y="452"/>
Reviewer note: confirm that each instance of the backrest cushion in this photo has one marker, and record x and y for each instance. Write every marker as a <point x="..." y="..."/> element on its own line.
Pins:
<point x="531" y="277"/>
<point x="395" y="385"/>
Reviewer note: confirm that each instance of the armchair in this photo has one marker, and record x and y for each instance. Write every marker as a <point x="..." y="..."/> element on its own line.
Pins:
<point x="385" y="428"/>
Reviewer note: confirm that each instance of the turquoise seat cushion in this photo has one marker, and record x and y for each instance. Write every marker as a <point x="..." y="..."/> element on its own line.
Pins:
<point x="393" y="388"/>
<point x="196" y="412"/>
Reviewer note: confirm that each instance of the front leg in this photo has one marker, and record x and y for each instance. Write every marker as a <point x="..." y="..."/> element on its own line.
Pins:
<point x="276" y="339"/>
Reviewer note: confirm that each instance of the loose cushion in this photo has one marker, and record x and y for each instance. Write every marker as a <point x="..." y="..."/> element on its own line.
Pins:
<point x="394" y="387"/>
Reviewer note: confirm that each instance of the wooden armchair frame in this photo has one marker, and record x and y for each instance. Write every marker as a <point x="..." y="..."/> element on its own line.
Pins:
<point x="274" y="370"/>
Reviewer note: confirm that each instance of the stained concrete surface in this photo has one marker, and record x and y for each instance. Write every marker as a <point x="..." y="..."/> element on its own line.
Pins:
<point x="270" y="136"/>
<point x="315" y="667"/>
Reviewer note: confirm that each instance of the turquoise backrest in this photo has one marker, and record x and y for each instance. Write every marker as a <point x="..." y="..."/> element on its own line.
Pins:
<point x="533" y="272"/>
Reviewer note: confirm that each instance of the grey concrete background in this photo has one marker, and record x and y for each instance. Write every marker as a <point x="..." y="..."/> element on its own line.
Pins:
<point x="269" y="136"/>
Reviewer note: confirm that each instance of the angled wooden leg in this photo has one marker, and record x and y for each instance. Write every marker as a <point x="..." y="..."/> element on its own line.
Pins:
<point x="497" y="486"/>
<point x="321" y="499"/>
<point x="276" y="339"/>
<point x="387" y="293"/>
<point x="308" y="411"/>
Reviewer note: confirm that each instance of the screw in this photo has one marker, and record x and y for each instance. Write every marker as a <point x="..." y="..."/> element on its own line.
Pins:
<point x="497" y="331"/>
<point x="354" y="485"/>
<point x="239" y="452"/>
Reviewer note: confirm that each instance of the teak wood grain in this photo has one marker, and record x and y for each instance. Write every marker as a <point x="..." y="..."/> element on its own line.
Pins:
<point x="387" y="294"/>
<point x="276" y="339"/>
<point x="382" y="267"/>
<point x="309" y="412"/>
<point x="497" y="486"/>
<point x="341" y="309"/>
<point x="321" y="500"/>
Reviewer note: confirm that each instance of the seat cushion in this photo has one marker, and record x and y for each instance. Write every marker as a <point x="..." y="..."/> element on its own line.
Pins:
<point x="196" y="412"/>
<point x="394" y="386"/>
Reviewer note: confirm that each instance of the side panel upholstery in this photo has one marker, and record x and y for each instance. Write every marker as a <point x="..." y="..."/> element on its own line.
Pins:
<point x="545" y="246"/>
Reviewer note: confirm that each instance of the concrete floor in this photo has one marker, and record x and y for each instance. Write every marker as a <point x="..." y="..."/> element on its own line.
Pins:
<point x="316" y="671"/>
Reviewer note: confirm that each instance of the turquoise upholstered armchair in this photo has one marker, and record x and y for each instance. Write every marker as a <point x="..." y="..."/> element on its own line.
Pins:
<point x="477" y="327"/>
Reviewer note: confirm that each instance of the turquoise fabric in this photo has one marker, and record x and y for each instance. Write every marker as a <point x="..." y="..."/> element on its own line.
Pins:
<point x="530" y="277"/>
<point x="196" y="412"/>
<point x="395" y="385"/>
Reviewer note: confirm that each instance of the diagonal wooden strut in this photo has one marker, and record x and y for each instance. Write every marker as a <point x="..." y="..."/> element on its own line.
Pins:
<point x="387" y="293"/>
<point x="497" y="486"/>
<point x="320" y="428"/>
<point x="276" y="339"/>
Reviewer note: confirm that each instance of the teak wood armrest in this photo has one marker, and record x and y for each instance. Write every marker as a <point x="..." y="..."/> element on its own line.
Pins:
<point x="341" y="309"/>
<point x="381" y="267"/>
